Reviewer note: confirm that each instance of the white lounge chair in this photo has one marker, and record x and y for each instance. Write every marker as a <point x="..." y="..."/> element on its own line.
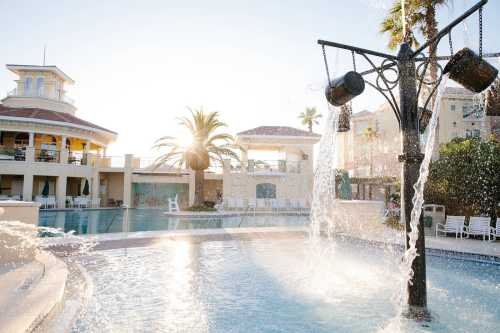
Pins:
<point x="69" y="201"/>
<point x="95" y="202"/>
<point x="229" y="203"/>
<point x="282" y="204"/>
<point x="261" y="203"/>
<point x="239" y="204"/>
<point x="274" y="204"/>
<point x="453" y="225"/>
<point x="479" y="226"/>
<point x="16" y="197"/>
<point x="42" y="201"/>
<point x="173" y="204"/>
<point x="252" y="205"/>
<point x="51" y="202"/>
<point x="495" y="232"/>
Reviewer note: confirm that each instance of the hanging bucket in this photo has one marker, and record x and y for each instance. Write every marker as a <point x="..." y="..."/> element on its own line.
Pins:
<point x="344" y="122"/>
<point x="493" y="101"/>
<point x="345" y="88"/>
<point x="425" y="117"/>
<point x="470" y="70"/>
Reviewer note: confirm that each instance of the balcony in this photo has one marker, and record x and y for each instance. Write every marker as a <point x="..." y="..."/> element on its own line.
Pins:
<point x="48" y="100"/>
<point x="12" y="154"/>
<point x="47" y="156"/>
<point x="266" y="167"/>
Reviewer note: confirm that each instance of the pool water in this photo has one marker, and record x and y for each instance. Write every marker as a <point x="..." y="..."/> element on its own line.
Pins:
<point x="96" y="221"/>
<point x="278" y="286"/>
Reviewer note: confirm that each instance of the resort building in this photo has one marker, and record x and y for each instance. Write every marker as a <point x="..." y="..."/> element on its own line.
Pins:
<point x="369" y="151"/>
<point x="46" y="149"/>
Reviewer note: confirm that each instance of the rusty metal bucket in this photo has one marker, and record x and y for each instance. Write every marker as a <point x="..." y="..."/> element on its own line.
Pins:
<point x="470" y="70"/>
<point x="345" y="88"/>
<point x="344" y="121"/>
<point x="425" y="117"/>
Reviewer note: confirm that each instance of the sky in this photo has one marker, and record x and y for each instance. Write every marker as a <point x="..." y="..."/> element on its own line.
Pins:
<point x="138" y="65"/>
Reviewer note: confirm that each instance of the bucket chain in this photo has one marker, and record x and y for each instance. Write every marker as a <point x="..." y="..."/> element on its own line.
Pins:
<point x="451" y="43"/>
<point x="326" y="66"/>
<point x="480" y="32"/>
<point x="353" y="60"/>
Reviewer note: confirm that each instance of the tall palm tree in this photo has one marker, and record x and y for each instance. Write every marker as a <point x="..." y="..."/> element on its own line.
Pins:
<point x="371" y="135"/>
<point x="421" y="15"/>
<point x="205" y="148"/>
<point x="310" y="117"/>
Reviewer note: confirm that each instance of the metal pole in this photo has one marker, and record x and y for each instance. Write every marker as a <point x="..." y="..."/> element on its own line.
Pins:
<point x="411" y="158"/>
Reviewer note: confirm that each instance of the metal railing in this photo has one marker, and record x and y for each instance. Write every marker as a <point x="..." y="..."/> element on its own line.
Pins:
<point x="78" y="158"/>
<point x="47" y="155"/>
<point x="41" y="93"/>
<point x="266" y="166"/>
<point x="12" y="154"/>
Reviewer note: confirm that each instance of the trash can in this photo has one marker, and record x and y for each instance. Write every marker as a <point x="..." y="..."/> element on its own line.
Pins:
<point x="433" y="215"/>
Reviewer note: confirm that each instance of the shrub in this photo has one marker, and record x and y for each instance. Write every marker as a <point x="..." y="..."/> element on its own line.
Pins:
<point x="201" y="208"/>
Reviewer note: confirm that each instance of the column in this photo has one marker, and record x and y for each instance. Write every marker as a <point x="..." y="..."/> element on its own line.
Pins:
<point x="61" y="191"/>
<point x="127" y="180"/>
<point x="30" y="150"/>
<point x="95" y="186"/>
<point x="63" y="158"/>
<point x="28" y="187"/>
<point x="31" y="139"/>
<point x="191" y="186"/>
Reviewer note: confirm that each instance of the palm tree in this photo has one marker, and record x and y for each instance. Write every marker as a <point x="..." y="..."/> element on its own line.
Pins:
<point x="370" y="136"/>
<point x="310" y="117"/>
<point x="205" y="148"/>
<point x="421" y="15"/>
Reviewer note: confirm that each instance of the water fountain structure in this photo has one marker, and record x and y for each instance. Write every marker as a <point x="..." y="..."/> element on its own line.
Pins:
<point x="466" y="68"/>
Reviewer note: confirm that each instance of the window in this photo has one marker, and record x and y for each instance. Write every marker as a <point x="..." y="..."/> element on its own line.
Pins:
<point x="468" y="133"/>
<point x="453" y="107"/>
<point x="476" y="133"/>
<point x="28" y="82"/>
<point x="266" y="191"/>
<point x="39" y="86"/>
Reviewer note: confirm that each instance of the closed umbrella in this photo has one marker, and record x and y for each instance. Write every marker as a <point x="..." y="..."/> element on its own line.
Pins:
<point x="86" y="190"/>
<point x="45" y="191"/>
<point x="345" y="187"/>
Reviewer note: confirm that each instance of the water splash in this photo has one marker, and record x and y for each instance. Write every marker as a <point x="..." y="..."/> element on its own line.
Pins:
<point x="418" y="198"/>
<point x="324" y="177"/>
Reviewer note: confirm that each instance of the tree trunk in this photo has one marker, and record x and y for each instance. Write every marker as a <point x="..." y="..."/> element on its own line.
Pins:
<point x="199" y="181"/>
<point x="310" y="127"/>
<point x="431" y="32"/>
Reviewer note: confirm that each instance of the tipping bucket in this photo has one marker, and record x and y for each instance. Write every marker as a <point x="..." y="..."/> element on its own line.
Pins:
<point x="344" y="122"/>
<point x="345" y="88"/>
<point x="470" y="70"/>
<point x="425" y="117"/>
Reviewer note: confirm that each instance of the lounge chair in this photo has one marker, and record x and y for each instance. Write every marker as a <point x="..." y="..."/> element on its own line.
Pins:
<point x="229" y="203"/>
<point x="239" y="204"/>
<point x="95" y="202"/>
<point x="274" y="204"/>
<point x="479" y="226"/>
<point x="252" y="205"/>
<point x="173" y="204"/>
<point x="261" y="203"/>
<point x="69" y="201"/>
<point x="453" y="224"/>
<point x="495" y="232"/>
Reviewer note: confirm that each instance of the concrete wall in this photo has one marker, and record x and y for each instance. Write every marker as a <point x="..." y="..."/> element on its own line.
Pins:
<point x="22" y="211"/>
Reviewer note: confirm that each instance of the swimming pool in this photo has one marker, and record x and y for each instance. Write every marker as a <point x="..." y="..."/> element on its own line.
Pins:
<point x="96" y="221"/>
<point x="278" y="286"/>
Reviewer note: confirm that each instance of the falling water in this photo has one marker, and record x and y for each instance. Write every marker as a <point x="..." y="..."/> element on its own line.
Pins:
<point x="403" y="17"/>
<point x="418" y="198"/>
<point x="324" y="177"/>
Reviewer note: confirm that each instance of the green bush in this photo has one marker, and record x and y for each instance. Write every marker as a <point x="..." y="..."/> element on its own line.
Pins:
<point x="465" y="178"/>
<point x="201" y="208"/>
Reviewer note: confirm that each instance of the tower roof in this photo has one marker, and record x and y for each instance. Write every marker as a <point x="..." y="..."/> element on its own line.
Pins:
<point x="35" y="68"/>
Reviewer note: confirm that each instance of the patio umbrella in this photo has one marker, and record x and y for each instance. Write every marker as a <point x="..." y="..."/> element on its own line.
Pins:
<point x="345" y="187"/>
<point x="45" y="191"/>
<point x="86" y="190"/>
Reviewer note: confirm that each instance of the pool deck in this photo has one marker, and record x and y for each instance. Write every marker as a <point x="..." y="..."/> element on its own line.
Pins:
<point x="446" y="245"/>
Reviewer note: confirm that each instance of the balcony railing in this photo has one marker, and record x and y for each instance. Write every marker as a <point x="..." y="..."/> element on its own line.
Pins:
<point x="266" y="167"/>
<point x="78" y="158"/>
<point x="12" y="154"/>
<point x="42" y="94"/>
<point x="47" y="155"/>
